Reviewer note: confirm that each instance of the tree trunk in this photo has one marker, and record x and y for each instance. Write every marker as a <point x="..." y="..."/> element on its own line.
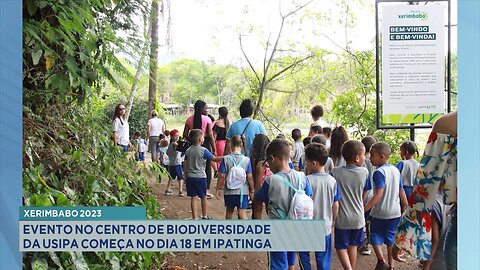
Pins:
<point x="138" y="74"/>
<point x="152" y="85"/>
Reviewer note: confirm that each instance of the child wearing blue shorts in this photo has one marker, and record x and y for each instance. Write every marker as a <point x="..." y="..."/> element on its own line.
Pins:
<point x="276" y="195"/>
<point x="353" y="181"/>
<point x="325" y="199"/>
<point x="236" y="169"/>
<point x="408" y="166"/>
<point x="174" y="164"/>
<point x="385" y="203"/>
<point x="196" y="159"/>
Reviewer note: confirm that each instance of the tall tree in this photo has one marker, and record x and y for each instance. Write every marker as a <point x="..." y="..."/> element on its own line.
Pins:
<point x="266" y="76"/>
<point x="140" y="64"/>
<point x="152" y="85"/>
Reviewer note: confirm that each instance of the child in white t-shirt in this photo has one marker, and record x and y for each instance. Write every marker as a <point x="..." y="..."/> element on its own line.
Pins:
<point x="140" y="146"/>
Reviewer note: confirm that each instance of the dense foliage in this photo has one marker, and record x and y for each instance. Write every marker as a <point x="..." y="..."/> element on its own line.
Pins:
<point x="73" y="162"/>
<point x="69" y="54"/>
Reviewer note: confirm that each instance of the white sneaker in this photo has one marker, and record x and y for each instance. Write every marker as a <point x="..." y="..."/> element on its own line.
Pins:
<point x="365" y="250"/>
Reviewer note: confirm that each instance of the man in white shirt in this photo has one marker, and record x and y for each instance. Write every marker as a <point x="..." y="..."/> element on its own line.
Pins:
<point x="155" y="129"/>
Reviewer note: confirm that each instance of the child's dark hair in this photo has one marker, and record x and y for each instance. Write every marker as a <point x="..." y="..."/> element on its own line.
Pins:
<point x="351" y="149"/>
<point x="257" y="150"/>
<point x="319" y="138"/>
<point x="167" y="132"/>
<point x="137" y="133"/>
<point x="316" y="111"/>
<point x="279" y="148"/>
<point x="236" y="141"/>
<point x="306" y="141"/>
<point x="296" y="134"/>
<point x="195" y="134"/>
<point x="368" y="142"/>
<point x="327" y="131"/>
<point x="382" y="148"/>
<point x="339" y="136"/>
<point x="317" y="129"/>
<point x="409" y="147"/>
<point x="281" y="136"/>
<point x="316" y="152"/>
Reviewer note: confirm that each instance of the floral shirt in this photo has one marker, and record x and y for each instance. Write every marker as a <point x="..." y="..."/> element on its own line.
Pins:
<point x="437" y="172"/>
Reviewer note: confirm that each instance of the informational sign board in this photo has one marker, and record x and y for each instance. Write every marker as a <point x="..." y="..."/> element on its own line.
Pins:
<point x="413" y="63"/>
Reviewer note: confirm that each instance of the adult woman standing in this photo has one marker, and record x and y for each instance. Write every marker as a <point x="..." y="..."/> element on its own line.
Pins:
<point x="200" y="120"/>
<point x="121" y="129"/>
<point x="220" y="131"/>
<point x="155" y="129"/>
<point x="437" y="172"/>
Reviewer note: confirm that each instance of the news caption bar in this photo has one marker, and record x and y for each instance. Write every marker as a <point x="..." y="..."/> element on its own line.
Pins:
<point x="125" y="232"/>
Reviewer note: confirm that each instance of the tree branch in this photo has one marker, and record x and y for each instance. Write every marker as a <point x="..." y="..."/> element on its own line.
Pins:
<point x="248" y="60"/>
<point x="268" y="120"/>
<point x="288" y="67"/>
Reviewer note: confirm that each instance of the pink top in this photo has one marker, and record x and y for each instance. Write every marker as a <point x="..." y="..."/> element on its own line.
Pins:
<point x="205" y="121"/>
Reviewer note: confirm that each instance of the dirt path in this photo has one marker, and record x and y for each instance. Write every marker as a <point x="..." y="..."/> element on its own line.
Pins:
<point x="174" y="207"/>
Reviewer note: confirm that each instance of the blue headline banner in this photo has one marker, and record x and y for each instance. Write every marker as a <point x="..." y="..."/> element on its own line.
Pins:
<point x="77" y="213"/>
<point x="173" y="235"/>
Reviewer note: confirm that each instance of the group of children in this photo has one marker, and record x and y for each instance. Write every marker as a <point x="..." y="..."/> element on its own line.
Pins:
<point x="362" y="194"/>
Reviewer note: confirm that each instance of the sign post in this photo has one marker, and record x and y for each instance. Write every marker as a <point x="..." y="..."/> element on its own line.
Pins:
<point x="413" y="80"/>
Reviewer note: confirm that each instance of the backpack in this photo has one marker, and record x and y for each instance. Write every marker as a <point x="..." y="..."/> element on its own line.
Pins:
<point x="236" y="176"/>
<point x="165" y="159"/>
<point x="301" y="205"/>
<point x="142" y="146"/>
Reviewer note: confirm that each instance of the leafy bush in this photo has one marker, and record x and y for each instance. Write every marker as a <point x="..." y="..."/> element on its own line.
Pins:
<point x="69" y="160"/>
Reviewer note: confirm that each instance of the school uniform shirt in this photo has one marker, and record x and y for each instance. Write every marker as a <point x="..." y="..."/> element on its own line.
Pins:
<point x="408" y="171"/>
<point x="338" y="162"/>
<point x="197" y="157"/>
<point x="352" y="181"/>
<point x="368" y="164"/>
<point x="299" y="152"/>
<point x="255" y="127"/>
<point x="278" y="195"/>
<point x="122" y="130"/>
<point x="387" y="177"/>
<point x="174" y="156"/>
<point x="303" y="166"/>
<point x="227" y="163"/>
<point x="156" y="126"/>
<point x="325" y="193"/>
<point x="326" y="167"/>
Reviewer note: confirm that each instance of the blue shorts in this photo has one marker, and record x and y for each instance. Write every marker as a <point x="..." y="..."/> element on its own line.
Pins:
<point x="196" y="187"/>
<point x="280" y="260"/>
<point x="382" y="231"/>
<point x="346" y="238"/>
<point x="323" y="258"/>
<point x="176" y="172"/>
<point x="232" y="201"/>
